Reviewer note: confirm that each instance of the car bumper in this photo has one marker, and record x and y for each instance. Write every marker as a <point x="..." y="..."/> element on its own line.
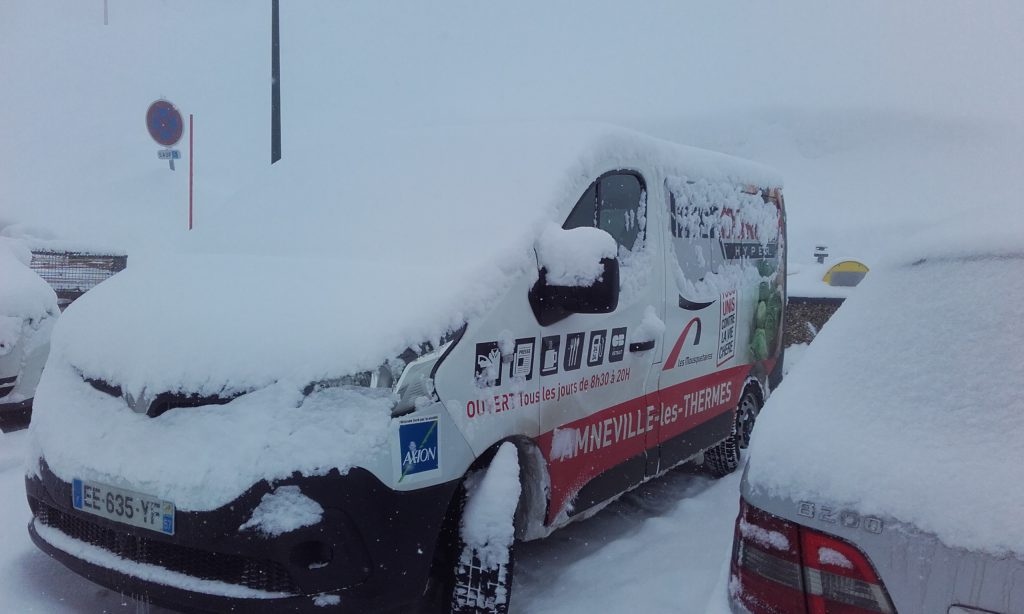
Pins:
<point x="14" y="416"/>
<point x="372" y="550"/>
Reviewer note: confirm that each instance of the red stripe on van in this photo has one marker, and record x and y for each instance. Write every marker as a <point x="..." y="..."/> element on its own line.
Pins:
<point x="579" y="451"/>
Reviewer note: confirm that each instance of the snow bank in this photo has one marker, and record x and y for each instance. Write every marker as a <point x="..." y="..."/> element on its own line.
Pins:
<point x="922" y="421"/>
<point x="488" y="520"/>
<point x="36" y="238"/>
<point x="202" y="458"/>
<point x="25" y="295"/>
<point x="805" y="280"/>
<point x="283" y="510"/>
<point x="573" y="257"/>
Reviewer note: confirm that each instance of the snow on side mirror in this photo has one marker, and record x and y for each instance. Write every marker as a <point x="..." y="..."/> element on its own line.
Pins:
<point x="579" y="273"/>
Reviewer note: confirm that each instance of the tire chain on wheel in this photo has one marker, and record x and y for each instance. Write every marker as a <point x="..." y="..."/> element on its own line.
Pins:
<point x="479" y="588"/>
<point x="724" y="458"/>
<point x="476" y="587"/>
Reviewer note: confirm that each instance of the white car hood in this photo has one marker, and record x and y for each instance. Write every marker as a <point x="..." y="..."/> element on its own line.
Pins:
<point x="217" y="324"/>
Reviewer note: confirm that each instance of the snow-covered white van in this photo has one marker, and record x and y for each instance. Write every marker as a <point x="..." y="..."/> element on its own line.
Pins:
<point x="475" y="336"/>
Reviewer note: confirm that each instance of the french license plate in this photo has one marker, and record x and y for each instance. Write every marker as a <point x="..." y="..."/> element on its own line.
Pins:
<point x="124" y="506"/>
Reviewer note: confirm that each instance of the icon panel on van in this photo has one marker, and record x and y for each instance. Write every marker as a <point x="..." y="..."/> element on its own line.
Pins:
<point x="487" y="367"/>
<point x="595" y="355"/>
<point x="549" y="347"/>
<point x="618" y="345"/>
<point x="522" y="359"/>
<point x="573" y="351"/>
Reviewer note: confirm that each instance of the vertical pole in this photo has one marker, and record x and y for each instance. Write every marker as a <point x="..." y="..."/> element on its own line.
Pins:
<point x="105" y="13"/>
<point x="275" y="82"/>
<point x="190" y="142"/>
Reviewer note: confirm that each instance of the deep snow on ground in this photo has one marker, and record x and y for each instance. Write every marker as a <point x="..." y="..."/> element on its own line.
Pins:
<point x="30" y="581"/>
<point x="660" y="548"/>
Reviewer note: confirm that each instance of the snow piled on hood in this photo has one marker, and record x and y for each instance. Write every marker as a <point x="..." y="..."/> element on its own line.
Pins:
<point x="908" y="405"/>
<point x="202" y="458"/>
<point x="226" y="324"/>
<point x="23" y="293"/>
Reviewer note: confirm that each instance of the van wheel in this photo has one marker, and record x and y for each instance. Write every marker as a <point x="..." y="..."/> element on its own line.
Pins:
<point x="483" y="567"/>
<point x="724" y="458"/>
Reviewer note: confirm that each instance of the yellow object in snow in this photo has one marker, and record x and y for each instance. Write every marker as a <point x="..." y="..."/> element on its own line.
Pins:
<point x="845" y="273"/>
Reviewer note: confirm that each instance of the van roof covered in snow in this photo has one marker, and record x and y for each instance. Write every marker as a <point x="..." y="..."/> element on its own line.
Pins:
<point x="412" y="233"/>
<point x="394" y="193"/>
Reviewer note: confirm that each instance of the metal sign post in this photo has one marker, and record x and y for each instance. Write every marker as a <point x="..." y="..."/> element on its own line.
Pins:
<point x="275" y="81"/>
<point x="165" y="125"/>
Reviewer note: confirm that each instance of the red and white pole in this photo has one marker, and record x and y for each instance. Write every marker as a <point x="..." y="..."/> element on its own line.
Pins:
<point x="190" y="142"/>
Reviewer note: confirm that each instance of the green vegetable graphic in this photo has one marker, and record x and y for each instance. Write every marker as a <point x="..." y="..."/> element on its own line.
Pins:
<point x="759" y="345"/>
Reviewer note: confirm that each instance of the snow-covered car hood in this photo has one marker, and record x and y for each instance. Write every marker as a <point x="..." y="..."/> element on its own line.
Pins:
<point x="219" y="325"/>
<point x="203" y="457"/>
<point x="907" y="406"/>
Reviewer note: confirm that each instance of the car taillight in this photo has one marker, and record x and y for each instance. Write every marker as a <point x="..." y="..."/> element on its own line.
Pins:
<point x="780" y="567"/>
<point x="766" y="573"/>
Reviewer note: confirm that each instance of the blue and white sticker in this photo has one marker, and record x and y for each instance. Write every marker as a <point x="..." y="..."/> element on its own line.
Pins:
<point x="419" y="449"/>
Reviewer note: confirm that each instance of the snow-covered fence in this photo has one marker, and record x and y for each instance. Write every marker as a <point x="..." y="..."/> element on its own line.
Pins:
<point x="72" y="273"/>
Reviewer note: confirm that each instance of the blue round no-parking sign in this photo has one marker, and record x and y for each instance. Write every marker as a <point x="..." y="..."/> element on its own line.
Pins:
<point x="164" y="123"/>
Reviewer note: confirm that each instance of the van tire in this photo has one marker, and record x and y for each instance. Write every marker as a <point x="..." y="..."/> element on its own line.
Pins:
<point x="479" y="587"/>
<point x="724" y="458"/>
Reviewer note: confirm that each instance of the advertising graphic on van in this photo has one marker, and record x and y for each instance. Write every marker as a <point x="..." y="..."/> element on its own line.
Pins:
<point x="488" y="367"/>
<point x="595" y="356"/>
<point x="673" y="359"/>
<point x="417" y="439"/>
<point x="522" y="359"/>
<point x="727" y="328"/>
<point x="573" y="351"/>
<point x="549" y="355"/>
<point x="618" y="346"/>
<point x="488" y="364"/>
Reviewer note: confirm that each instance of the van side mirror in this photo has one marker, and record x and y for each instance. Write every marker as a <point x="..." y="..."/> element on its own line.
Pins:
<point x="579" y="273"/>
<point x="552" y="303"/>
